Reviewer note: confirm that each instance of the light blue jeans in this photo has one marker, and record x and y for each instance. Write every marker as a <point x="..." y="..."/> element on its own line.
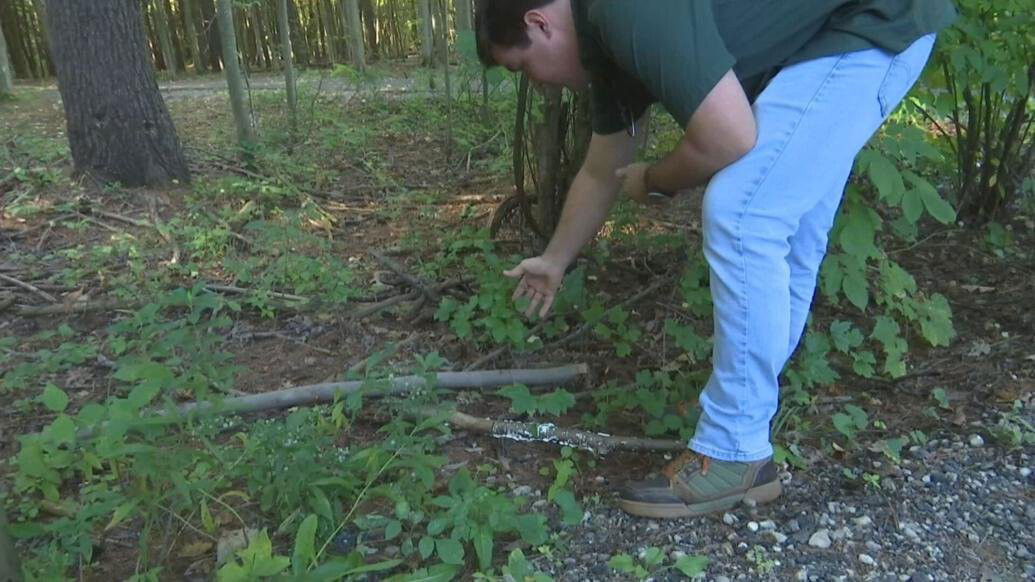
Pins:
<point x="766" y="219"/>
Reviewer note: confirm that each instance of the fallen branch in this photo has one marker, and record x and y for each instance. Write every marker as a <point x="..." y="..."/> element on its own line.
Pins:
<point x="414" y="282"/>
<point x="28" y="287"/>
<point x="77" y="307"/>
<point x="242" y="291"/>
<point x="598" y="443"/>
<point x="323" y="393"/>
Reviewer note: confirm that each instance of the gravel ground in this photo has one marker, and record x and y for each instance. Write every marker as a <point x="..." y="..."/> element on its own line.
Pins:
<point x="956" y="508"/>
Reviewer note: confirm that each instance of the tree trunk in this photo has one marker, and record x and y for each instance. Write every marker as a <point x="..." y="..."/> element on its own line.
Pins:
<point x="189" y="8"/>
<point x="118" y="126"/>
<point x="45" y="62"/>
<point x="207" y="9"/>
<point x="327" y="21"/>
<point x="259" y="54"/>
<point x="427" y="30"/>
<point x="23" y="23"/>
<point x="10" y="569"/>
<point x="234" y="79"/>
<point x="284" y="27"/>
<point x="549" y="142"/>
<point x="299" y="42"/>
<point x="463" y="16"/>
<point x="355" y="27"/>
<point x="164" y="39"/>
<point x="369" y="12"/>
<point x="6" y="79"/>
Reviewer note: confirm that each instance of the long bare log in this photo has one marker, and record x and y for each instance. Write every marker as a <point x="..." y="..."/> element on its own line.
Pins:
<point x="322" y="393"/>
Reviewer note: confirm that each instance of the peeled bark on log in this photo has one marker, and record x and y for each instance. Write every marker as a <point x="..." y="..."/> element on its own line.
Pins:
<point x="546" y="432"/>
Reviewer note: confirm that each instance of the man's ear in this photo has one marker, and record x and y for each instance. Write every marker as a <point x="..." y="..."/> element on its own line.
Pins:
<point x="536" y="20"/>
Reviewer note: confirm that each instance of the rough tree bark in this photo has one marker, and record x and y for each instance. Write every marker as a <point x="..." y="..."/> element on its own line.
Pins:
<point x="286" y="61"/>
<point x="118" y="126"/>
<point x="6" y="79"/>
<point x="189" y="8"/>
<point x="164" y="38"/>
<point x="427" y="30"/>
<point x="355" y="27"/>
<point x="369" y="11"/>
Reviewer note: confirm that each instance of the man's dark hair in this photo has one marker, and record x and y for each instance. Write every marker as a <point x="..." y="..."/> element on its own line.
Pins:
<point x="502" y="23"/>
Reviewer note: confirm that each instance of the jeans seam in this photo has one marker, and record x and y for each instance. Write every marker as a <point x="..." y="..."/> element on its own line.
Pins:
<point x="743" y="343"/>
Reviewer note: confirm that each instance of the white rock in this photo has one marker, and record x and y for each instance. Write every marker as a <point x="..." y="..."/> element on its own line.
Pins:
<point x="866" y="559"/>
<point x="863" y="521"/>
<point x="1025" y="471"/>
<point x="767" y="525"/>
<point x="976" y="440"/>
<point x="777" y="537"/>
<point x="802" y="575"/>
<point x="820" y="539"/>
<point x="753" y="526"/>
<point x="729" y="518"/>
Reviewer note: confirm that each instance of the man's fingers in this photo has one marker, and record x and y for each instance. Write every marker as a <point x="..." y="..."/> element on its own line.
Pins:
<point x="547" y="304"/>
<point x="535" y="299"/>
<point x="515" y="272"/>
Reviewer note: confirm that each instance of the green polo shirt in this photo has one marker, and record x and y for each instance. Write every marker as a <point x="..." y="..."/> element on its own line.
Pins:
<point x="675" y="51"/>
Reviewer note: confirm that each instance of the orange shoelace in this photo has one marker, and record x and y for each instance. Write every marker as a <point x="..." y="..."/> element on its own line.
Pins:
<point x="684" y="458"/>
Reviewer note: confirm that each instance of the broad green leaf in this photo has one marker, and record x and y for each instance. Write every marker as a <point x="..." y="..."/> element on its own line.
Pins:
<point x="571" y="511"/>
<point x="483" y="548"/>
<point x="393" y="529"/>
<point x="622" y="563"/>
<point x="692" y="566"/>
<point x="845" y="335"/>
<point x="532" y="528"/>
<point x="305" y="541"/>
<point x="856" y="288"/>
<point x="844" y="425"/>
<point x="62" y="429"/>
<point x="912" y="205"/>
<point x="54" y="398"/>
<point x="653" y="556"/>
<point x="450" y="550"/>
<point x="936" y="206"/>
<point x="886" y="177"/>
<point x="426" y="546"/>
<point x="936" y="320"/>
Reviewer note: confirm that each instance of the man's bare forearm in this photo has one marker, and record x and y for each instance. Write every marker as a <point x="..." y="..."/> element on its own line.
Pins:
<point x="589" y="201"/>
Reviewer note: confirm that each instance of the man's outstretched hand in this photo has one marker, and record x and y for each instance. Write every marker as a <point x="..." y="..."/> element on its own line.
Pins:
<point x="539" y="280"/>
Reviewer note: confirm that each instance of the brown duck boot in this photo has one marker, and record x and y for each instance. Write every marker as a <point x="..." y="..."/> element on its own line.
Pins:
<point x="687" y="488"/>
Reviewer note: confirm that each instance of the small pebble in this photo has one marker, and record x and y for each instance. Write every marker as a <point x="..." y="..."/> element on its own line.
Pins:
<point x="729" y="518"/>
<point x="976" y="440"/>
<point x="767" y="525"/>
<point x="820" y="539"/>
<point x="866" y="559"/>
<point x="753" y="526"/>
<point x="1025" y="472"/>
<point x="863" y="521"/>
